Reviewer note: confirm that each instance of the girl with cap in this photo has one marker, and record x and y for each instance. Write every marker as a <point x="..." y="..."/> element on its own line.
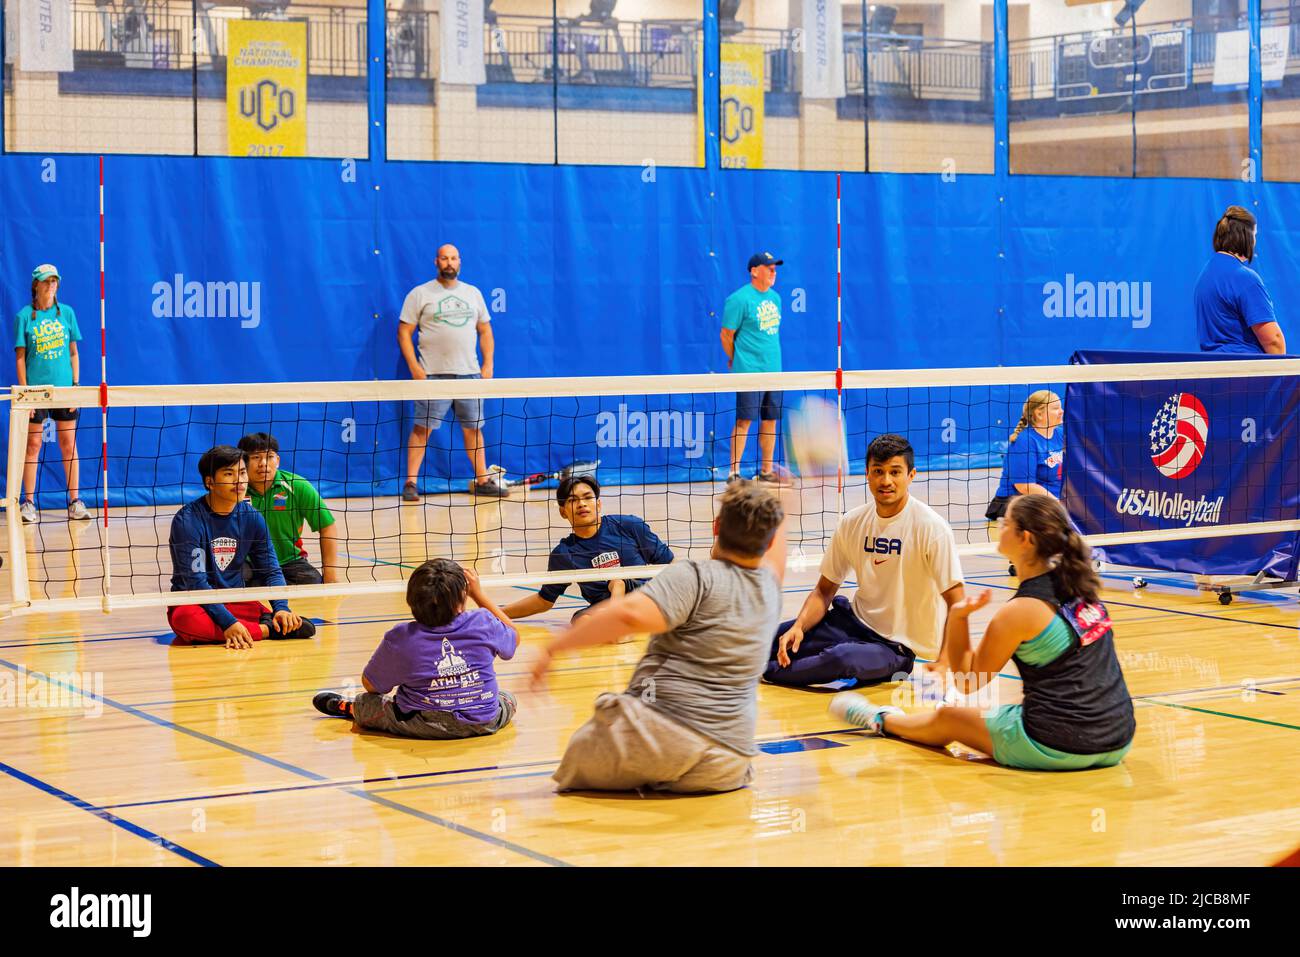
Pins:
<point x="45" y="341"/>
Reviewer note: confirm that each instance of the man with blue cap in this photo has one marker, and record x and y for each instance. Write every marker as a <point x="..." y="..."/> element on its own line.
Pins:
<point x="751" y="338"/>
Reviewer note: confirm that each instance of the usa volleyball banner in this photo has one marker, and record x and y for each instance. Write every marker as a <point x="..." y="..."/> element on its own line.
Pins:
<point x="1161" y="454"/>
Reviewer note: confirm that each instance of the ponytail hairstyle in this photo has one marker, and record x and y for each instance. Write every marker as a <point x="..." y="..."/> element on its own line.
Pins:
<point x="1037" y="400"/>
<point x="1235" y="233"/>
<point x="57" y="311"/>
<point x="1059" y="544"/>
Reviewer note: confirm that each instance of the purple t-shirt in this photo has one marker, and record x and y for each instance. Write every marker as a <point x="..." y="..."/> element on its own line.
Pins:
<point x="447" y="668"/>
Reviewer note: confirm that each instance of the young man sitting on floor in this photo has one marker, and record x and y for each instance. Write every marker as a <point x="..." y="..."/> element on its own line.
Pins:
<point x="597" y="541"/>
<point x="211" y="538"/>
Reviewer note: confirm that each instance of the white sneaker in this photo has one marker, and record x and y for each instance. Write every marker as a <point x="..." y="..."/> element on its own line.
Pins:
<point x="857" y="710"/>
<point x="77" y="511"/>
<point x="28" y="511"/>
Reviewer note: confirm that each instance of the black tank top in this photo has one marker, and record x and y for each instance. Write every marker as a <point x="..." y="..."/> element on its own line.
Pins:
<point x="1079" y="702"/>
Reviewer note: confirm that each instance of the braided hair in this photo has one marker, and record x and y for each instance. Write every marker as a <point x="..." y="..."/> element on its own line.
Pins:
<point x="1057" y="542"/>
<point x="58" y="313"/>
<point x="1037" y="400"/>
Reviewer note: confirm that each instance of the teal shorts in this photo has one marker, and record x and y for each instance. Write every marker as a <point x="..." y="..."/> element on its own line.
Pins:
<point x="1016" y="749"/>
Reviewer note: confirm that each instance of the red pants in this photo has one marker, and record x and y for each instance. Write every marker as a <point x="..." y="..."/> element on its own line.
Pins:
<point x="193" y="626"/>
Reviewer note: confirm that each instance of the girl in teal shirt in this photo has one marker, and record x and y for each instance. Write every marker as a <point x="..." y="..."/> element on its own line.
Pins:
<point x="45" y="341"/>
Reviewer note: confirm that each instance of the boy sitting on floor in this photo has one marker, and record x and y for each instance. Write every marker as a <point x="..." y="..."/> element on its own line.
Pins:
<point x="608" y="541"/>
<point x="441" y="663"/>
<point x="210" y="540"/>
<point x="686" y="721"/>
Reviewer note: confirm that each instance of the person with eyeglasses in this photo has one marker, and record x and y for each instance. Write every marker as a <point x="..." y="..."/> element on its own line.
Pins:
<point x="597" y="541"/>
<point x="45" y="345"/>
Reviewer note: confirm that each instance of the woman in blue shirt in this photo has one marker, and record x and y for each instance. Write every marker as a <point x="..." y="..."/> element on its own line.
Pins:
<point x="1035" y="454"/>
<point x="45" y="343"/>
<point x="1234" y="313"/>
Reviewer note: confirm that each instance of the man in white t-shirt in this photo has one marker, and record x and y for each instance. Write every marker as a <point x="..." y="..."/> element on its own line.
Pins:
<point x="453" y="319"/>
<point x="904" y="558"/>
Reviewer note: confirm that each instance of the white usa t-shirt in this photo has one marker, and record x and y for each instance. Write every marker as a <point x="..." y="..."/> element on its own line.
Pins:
<point x="902" y="565"/>
<point x="448" y="322"/>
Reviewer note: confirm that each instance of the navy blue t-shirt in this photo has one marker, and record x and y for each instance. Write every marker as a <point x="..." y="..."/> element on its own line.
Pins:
<point x="621" y="540"/>
<point x="1230" y="298"/>
<point x="209" y="551"/>
<point x="1034" y="459"/>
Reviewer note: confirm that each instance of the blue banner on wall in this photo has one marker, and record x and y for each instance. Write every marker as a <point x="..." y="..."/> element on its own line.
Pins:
<point x="1162" y="454"/>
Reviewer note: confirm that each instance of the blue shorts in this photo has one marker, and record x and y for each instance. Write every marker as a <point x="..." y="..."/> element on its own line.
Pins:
<point x="765" y="406"/>
<point x="469" y="412"/>
<point x="1014" y="748"/>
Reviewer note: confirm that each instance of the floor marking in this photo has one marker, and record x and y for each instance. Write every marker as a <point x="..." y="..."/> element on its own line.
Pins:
<point x="351" y="782"/>
<point x="155" y="839"/>
<point x="286" y="766"/>
<point x="1224" y="714"/>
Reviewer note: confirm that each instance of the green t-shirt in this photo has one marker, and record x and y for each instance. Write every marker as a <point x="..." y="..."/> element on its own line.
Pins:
<point x="756" y="318"/>
<point x="287" y="502"/>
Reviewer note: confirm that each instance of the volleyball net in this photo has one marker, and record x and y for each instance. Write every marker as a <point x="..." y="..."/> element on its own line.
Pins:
<point x="1153" y="459"/>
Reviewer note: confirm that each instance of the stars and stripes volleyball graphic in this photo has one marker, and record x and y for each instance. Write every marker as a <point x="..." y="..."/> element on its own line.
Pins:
<point x="1178" y="435"/>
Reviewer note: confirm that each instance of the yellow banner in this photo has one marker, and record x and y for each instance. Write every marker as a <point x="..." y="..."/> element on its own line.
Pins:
<point x="266" y="88"/>
<point x="740" y="119"/>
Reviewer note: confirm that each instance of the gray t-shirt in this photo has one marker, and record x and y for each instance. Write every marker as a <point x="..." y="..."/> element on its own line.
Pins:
<point x="704" y="671"/>
<point x="448" y="320"/>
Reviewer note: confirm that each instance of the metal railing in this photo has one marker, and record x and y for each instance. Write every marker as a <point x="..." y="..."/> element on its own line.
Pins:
<point x="159" y="35"/>
<point x="156" y="35"/>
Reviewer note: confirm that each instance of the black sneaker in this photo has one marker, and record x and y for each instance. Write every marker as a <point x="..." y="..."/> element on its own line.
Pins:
<point x="332" y="704"/>
<point x="410" y="493"/>
<point x="305" y="630"/>
<point x="734" y="477"/>
<point x="490" y="487"/>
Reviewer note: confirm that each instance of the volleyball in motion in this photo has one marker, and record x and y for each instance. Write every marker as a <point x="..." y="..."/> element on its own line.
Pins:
<point x="814" y="439"/>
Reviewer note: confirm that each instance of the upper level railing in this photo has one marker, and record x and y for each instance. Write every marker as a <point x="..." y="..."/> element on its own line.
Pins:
<point x="656" y="53"/>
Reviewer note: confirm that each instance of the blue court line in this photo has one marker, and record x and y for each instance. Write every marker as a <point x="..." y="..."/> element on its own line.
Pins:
<point x="1236" y="687"/>
<point x="448" y="784"/>
<point x="1189" y="614"/>
<point x="285" y="766"/>
<point x="155" y="839"/>
<point x="352" y="782"/>
<point x="312" y="690"/>
<point x="1269" y="595"/>
<point x="188" y="799"/>
<point x="136" y="636"/>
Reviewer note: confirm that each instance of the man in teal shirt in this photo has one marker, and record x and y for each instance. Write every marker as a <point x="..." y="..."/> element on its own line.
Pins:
<point x="751" y="338"/>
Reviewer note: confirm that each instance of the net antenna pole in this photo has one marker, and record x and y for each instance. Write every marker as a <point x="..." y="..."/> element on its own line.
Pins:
<point x="106" y="603"/>
<point x="839" y="345"/>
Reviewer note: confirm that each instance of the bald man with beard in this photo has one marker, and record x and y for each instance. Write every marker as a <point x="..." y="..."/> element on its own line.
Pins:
<point x="452" y="317"/>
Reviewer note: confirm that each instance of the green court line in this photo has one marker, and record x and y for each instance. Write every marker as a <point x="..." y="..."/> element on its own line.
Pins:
<point x="1224" y="714"/>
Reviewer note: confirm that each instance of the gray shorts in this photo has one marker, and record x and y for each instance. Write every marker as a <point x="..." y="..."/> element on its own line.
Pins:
<point x="429" y="413"/>
<point x="628" y="745"/>
<point x="376" y="713"/>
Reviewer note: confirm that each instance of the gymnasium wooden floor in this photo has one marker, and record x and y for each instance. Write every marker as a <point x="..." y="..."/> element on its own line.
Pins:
<point x="184" y="756"/>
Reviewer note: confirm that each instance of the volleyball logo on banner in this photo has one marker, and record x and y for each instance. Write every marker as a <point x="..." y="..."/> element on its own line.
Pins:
<point x="266" y="88"/>
<point x="1178" y="435"/>
<point x="740" y="117"/>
